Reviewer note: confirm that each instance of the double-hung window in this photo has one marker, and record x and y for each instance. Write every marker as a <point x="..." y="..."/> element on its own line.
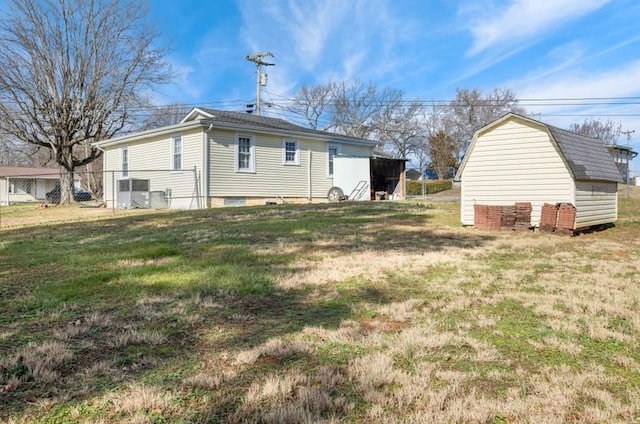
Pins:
<point x="245" y="154"/>
<point x="124" y="156"/>
<point x="290" y="152"/>
<point x="176" y="152"/>
<point x="332" y="151"/>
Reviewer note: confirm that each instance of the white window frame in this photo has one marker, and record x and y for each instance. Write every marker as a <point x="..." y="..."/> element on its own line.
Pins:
<point x="330" y="162"/>
<point x="124" y="165"/>
<point x="296" y="152"/>
<point x="252" y="154"/>
<point x="174" y="153"/>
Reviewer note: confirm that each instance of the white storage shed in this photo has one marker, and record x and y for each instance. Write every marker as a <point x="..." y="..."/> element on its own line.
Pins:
<point x="518" y="159"/>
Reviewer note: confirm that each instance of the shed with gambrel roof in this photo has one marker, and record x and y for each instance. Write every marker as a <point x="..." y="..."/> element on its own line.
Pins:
<point x="519" y="159"/>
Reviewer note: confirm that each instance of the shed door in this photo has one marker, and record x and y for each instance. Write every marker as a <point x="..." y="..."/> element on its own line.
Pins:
<point x="352" y="175"/>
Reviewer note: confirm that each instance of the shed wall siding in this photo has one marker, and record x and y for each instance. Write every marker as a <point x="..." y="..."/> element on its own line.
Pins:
<point x="152" y="159"/>
<point x="512" y="163"/>
<point x="271" y="177"/>
<point x="596" y="203"/>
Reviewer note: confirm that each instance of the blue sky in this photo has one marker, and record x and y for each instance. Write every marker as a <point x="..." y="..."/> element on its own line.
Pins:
<point x="543" y="50"/>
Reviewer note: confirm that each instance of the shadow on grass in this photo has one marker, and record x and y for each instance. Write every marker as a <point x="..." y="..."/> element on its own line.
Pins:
<point x="103" y="287"/>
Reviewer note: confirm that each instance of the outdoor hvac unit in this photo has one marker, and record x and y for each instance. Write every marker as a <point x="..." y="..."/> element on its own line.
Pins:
<point x="133" y="193"/>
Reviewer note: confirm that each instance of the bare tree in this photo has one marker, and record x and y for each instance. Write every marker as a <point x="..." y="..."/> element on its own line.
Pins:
<point x="434" y="122"/>
<point x="18" y="153"/>
<point x="73" y="71"/>
<point x="607" y="131"/>
<point x="401" y="125"/>
<point x="357" y="108"/>
<point x="163" y="116"/>
<point x="313" y="103"/>
<point x="442" y="147"/>
<point x="472" y="110"/>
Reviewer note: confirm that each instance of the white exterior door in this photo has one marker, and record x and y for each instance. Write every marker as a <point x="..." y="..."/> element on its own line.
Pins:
<point x="352" y="175"/>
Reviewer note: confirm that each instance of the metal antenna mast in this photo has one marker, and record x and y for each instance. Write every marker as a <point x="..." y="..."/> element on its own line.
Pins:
<point x="260" y="79"/>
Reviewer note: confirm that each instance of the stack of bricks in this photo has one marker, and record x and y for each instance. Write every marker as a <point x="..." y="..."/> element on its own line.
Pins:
<point x="566" y="218"/>
<point x="480" y="216"/>
<point x="508" y="219"/>
<point x="517" y="217"/>
<point x="523" y="216"/>
<point x="487" y="217"/>
<point x="548" y="218"/>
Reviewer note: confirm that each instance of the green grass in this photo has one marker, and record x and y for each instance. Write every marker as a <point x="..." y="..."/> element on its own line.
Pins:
<point x="350" y="312"/>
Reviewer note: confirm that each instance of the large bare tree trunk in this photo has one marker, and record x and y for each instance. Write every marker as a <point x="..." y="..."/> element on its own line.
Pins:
<point x="73" y="72"/>
<point x="66" y="186"/>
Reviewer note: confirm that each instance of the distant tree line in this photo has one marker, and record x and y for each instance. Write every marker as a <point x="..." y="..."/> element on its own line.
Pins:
<point x="436" y="136"/>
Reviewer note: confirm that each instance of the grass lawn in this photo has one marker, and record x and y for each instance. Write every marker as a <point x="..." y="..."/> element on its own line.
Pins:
<point x="377" y="312"/>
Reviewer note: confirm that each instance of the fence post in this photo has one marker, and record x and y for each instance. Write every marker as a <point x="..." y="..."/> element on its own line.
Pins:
<point x="113" y="192"/>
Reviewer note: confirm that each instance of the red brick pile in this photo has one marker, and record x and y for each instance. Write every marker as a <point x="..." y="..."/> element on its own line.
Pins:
<point x="508" y="217"/>
<point x="566" y="218"/>
<point x="517" y="217"/>
<point x="559" y="218"/>
<point x="548" y="218"/>
<point x="523" y="216"/>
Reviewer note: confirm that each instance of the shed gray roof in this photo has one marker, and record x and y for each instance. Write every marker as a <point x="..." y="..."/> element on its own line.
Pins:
<point x="587" y="157"/>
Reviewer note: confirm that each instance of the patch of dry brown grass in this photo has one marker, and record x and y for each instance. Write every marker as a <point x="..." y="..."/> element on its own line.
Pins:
<point x="39" y="362"/>
<point x="294" y="397"/>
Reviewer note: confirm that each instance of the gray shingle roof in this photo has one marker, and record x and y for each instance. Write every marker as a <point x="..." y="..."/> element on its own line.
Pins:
<point x="587" y="157"/>
<point x="264" y="122"/>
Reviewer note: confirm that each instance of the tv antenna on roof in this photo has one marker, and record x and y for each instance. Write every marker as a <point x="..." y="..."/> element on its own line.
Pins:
<point x="261" y="79"/>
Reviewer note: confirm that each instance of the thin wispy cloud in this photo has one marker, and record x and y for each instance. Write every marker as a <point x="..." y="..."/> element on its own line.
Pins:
<point x="522" y="20"/>
<point x="622" y="81"/>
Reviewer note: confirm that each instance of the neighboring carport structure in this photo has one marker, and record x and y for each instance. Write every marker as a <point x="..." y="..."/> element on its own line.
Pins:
<point x="20" y="184"/>
<point x="518" y="159"/>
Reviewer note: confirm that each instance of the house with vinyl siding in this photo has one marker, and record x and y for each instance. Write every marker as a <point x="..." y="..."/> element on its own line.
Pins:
<point x="20" y="184"/>
<point x="519" y="159"/>
<point x="217" y="158"/>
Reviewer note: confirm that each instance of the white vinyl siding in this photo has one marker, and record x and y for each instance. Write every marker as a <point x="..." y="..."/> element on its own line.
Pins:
<point x="596" y="203"/>
<point x="270" y="178"/>
<point x="290" y="152"/>
<point x="149" y="159"/>
<point x="514" y="162"/>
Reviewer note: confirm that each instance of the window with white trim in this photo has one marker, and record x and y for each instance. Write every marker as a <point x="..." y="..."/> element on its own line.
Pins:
<point x="291" y="154"/>
<point x="245" y="154"/>
<point x="332" y="151"/>
<point x="124" y="161"/>
<point x="176" y="152"/>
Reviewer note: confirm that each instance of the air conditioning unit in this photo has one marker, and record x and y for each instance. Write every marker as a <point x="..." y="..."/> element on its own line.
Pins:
<point x="133" y="193"/>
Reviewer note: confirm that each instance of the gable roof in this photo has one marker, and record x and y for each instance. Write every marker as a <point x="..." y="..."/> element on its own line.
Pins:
<point x="239" y="121"/>
<point x="586" y="158"/>
<point x="243" y="120"/>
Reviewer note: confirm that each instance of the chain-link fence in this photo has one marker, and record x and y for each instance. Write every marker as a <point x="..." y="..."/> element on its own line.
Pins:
<point x="112" y="189"/>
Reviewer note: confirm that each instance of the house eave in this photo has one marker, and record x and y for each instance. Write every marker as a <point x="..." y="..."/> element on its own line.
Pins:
<point x="301" y="134"/>
<point x="150" y="133"/>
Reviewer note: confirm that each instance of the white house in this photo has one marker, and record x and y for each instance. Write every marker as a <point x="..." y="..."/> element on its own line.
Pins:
<point x="20" y="184"/>
<point x="518" y="159"/>
<point x="216" y="158"/>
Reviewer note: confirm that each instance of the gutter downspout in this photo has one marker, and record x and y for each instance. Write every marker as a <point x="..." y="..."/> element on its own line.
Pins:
<point x="205" y="165"/>
<point x="310" y="177"/>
